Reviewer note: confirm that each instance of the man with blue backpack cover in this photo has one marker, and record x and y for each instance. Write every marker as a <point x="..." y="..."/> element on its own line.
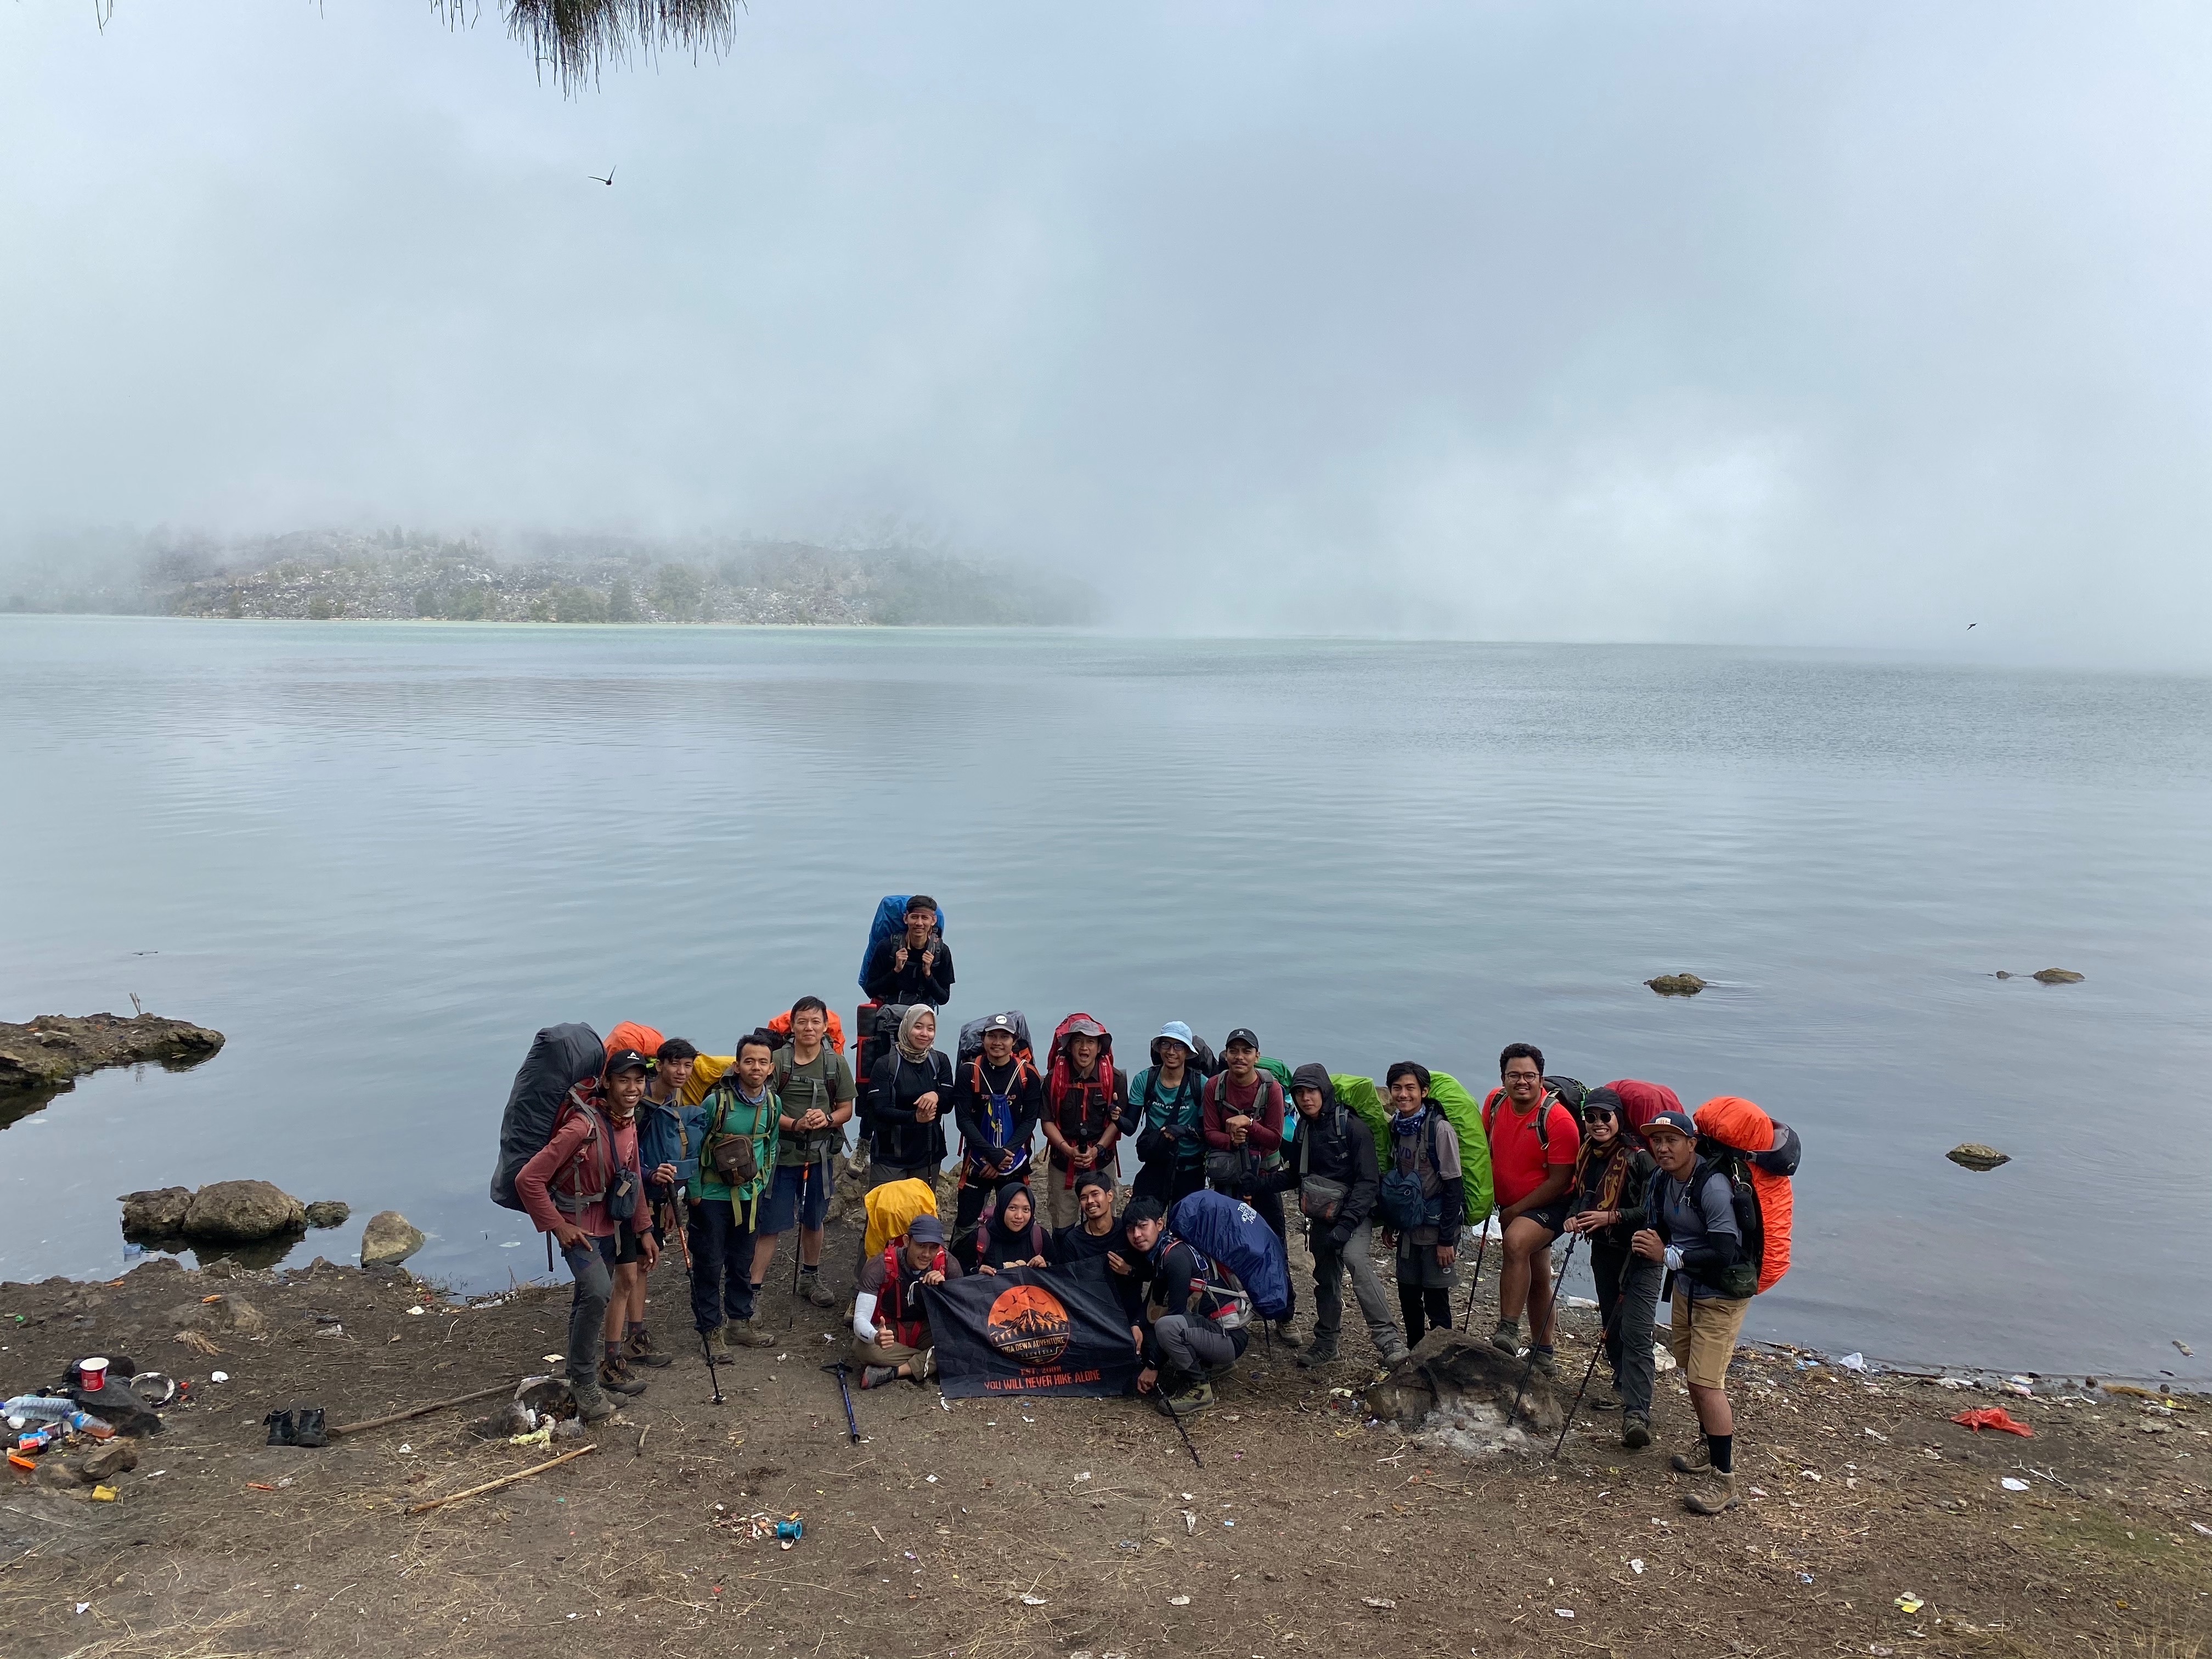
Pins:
<point x="1422" y="1200"/>
<point x="913" y="966"/>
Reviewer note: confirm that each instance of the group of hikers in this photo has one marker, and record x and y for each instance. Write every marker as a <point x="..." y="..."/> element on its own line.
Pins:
<point x="719" y="1157"/>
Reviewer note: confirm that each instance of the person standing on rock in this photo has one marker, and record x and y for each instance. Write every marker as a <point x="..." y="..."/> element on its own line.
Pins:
<point x="1693" y="1233"/>
<point x="1333" y="1181"/>
<point x="1613" y="1175"/>
<point x="913" y="967"/>
<point x="1534" y="1143"/>
<point x="668" y="1133"/>
<point x="584" y="1187"/>
<point x="1424" y="1158"/>
<point x="736" y="1164"/>
<point x="816" y="1089"/>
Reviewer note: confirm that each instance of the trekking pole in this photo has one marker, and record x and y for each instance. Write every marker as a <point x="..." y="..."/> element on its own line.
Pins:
<point x="1558" y="1280"/>
<point x="1168" y="1405"/>
<point x="1605" y="1334"/>
<point x="799" y="1238"/>
<point x="683" y="1249"/>
<point x="1481" y="1244"/>
<point x="839" y="1370"/>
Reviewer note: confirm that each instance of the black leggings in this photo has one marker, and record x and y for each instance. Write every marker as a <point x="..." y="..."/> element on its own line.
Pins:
<point x="1417" y="1304"/>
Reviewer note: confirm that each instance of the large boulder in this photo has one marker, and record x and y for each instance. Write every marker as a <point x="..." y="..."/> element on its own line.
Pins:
<point x="242" y="1209"/>
<point x="390" y="1236"/>
<point x="328" y="1213"/>
<point x="156" y="1213"/>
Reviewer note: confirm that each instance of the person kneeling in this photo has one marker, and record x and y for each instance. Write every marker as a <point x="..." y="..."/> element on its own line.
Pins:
<point x="891" y="1326"/>
<point x="1197" y="1320"/>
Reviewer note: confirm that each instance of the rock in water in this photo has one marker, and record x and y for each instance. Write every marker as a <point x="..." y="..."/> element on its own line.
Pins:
<point x="2058" y="976"/>
<point x="242" y="1209"/>
<point x="1677" y="985"/>
<point x="157" y="1213"/>
<point x="1972" y="1155"/>
<point x="328" y="1213"/>
<point x="389" y="1237"/>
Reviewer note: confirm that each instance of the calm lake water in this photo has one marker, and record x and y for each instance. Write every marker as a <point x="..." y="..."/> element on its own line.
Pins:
<point x="380" y="857"/>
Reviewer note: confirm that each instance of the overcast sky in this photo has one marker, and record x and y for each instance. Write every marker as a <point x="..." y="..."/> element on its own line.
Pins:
<point x="1809" y="325"/>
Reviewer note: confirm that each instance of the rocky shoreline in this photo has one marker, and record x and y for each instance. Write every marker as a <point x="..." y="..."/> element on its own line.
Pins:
<point x="51" y="1052"/>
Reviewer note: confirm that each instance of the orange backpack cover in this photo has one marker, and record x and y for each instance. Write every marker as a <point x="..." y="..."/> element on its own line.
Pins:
<point x="1741" y="1124"/>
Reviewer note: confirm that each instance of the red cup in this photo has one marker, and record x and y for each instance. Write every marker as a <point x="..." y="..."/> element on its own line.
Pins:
<point x="94" y="1372"/>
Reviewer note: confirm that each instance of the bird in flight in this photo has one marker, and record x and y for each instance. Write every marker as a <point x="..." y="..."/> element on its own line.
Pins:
<point x="609" y="181"/>
<point x="1971" y="627"/>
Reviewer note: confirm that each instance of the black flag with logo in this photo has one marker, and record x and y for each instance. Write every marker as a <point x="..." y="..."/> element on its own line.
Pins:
<point x="1030" y="1331"/>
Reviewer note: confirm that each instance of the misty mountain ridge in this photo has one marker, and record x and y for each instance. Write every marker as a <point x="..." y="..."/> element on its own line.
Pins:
<point x="400" y="574"/>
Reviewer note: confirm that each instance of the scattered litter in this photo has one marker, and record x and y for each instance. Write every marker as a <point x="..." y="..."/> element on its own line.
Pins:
<point x="2201" y="1527"/>
<point x="1661" y="1360"/>
<point x="1757" y="1491"/>
<point x="104" y="1494"/>
<point x="2013" y="1484"/>
<point x="1178" y="1601"/>
<point x="931" y="1479"/>
<point x="1810" y="1474"/>
<point x="542" y="1435"/>
<point x="1565" y="1612"/>
<point x="82" y="1605"/>
<point x="218" y="1376"/>
<point x="1877" y="1434"/>
<point x="1879" y="1651"/>
<point x="1992" y="1417"/>
<point x="1909" y="1603"/>
<point x="404" y="1449"/>
<point x="1086" y="1475"/>
<point x="1804" y="1578"/>
<point x="1189" y="1524"/>
<point x="415" y="1312"/>
<point x="1853" y="1362"/>
<point x="1955" y="1382"/>
<point x="1581" y="1302"/>
<point x="1382" y="1601"/>
<point x="1636" y="1565"/>
<point x="1033" y="1600"/>
<point x="553" y="1358"/>
<point x="339" y="1330"/>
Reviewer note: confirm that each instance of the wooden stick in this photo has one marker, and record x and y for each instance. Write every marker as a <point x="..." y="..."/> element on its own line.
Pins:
<point x="420" y="1411"/>
<point x="504" y="1480"/>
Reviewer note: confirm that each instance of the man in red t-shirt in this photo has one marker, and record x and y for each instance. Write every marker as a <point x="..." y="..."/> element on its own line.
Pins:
<point x="1534" y="1140"/>
<point x="1241" y="1112"/>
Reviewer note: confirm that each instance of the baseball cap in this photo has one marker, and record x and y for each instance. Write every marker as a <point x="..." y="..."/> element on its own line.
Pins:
<point x="1671" y="1123"/>
<point x="1242" y="1034"/>
<point x="625" y="1059"/>
<point x="1001" y="1023"/>
<point x="927" y="1230"/>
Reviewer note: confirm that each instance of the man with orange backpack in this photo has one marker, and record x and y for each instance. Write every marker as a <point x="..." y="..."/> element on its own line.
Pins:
<point x="1083" y="1095"/>
<point x="1534" y="1143"/>
<point x="997" y="1099"/>
<point x="584" y="1187"/>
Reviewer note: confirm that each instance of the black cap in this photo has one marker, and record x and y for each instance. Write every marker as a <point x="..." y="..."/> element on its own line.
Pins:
<point x="625" y="1059"/>
<point x="1242" y="1034"/>
<point x="926" y="1230"/>
<point x="1673" y="1123"/>
<point x="999" y="1023"/>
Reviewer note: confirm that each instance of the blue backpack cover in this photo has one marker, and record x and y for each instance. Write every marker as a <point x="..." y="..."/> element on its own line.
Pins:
<point x="1233" y="1234"/>
<point x="890" y="919"/>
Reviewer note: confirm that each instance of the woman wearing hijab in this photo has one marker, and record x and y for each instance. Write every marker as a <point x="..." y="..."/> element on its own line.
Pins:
<point x="909" y="1095"/>
<point x="1613" y="1172"/>
<point x="1009" y="1235"/>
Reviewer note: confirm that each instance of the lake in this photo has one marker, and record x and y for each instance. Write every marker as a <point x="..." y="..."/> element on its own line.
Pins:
<point x="378" y="857"/>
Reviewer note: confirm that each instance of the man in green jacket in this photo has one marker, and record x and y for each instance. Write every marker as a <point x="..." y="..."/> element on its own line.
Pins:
<point x="737" y="1162"/>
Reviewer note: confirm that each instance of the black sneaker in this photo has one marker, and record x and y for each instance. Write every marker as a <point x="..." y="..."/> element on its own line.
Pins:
<point x="309" y="1430"/>
<point x="281" y="1432"/>
<point x="1320" y="1351"/>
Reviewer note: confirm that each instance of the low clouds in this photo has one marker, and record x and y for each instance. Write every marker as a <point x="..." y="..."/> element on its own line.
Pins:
<point x="1723" y="322"/>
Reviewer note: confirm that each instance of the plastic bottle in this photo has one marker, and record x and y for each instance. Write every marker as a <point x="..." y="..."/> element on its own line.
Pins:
<point x="26" y="1408"/>
<point x="36" y="1441"/>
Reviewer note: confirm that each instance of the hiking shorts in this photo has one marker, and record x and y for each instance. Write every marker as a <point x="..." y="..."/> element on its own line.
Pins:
<point x="629" y="1245"/>
<point x="1703" y="1336"/>
<point x="780" y="1205"/>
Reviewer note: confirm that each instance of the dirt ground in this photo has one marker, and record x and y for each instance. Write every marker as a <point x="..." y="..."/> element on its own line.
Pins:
<point x="1003" y="1529"/>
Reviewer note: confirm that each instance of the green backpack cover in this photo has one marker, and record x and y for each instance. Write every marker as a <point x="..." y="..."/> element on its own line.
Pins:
<point x="1460" y="1109"/>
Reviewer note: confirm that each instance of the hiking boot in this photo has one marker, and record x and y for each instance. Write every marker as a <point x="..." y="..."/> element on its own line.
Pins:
<point x="309" y="1430"/>
<point x="1282" y="1333"/>
<point x="617" y="1378"/>
<point x="811" y="1287"/>
<point x="592" y="1405"/>
<point x="717" y="1344"/>
<point x="638" y="1349"/>
<point x="1606" y="1398"/>
<point x="874" y="1377"/>
<point x="1320" y="1351"/>
<point x="744" y="1334"/>
<point x="281" y="1432"/>
<point x="1715" y="1495"/>
<point x="1636" y="1431"/>
<point x="1199" y="1396"/>
<point x="1506" y="1339"/>
<point x="1545" y="1362"/>
<point x="1394" y="1357"/>
<point x="1692" y="1462"/>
